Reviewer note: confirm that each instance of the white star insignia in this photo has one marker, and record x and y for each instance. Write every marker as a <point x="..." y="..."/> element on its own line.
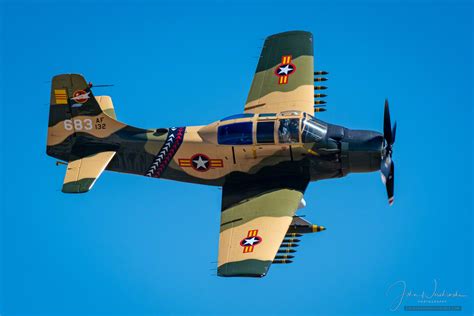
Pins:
<point x="250" y="241"/>
<point x="201" y="163"/>
<point x="285" y="70"/>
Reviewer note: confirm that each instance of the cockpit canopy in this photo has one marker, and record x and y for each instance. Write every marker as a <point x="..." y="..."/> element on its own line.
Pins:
<point x="235" y="134"/>
<point x="289" y="127"/>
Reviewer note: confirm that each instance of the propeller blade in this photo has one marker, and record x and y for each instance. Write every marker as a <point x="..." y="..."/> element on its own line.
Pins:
<point x="387" y="173"/>
<point x="394" y="132"/>
<point x="387" y="166"/>
<point x="387" y="125"/>
<point x="390" y="183"/>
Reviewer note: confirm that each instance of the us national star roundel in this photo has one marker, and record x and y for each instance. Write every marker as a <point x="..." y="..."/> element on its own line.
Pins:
<point x="284" y="70"/>
<point x="201" y="162"/>
<point x="250" y="241"/>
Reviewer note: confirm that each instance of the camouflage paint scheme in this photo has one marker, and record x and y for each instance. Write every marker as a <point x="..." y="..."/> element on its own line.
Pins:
<point x="263" y="184"/>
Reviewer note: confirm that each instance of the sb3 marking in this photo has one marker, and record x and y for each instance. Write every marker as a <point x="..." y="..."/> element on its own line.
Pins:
<point x="84" y="124"/>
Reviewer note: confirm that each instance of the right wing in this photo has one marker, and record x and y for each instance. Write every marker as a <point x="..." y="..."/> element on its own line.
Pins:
<point x="284" y="79"/>
<point x="254" y="222"/>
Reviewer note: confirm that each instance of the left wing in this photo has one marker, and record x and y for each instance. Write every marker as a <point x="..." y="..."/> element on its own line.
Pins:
<point x="82" y="173"/>
<point x="284" y="79"/>
<point x="254" y="222"/>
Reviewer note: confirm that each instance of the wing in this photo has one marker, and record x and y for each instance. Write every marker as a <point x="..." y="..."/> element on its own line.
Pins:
<point x="254" y="221"/>
<point x="284" y="79"/>
<point x="82" y="173"/>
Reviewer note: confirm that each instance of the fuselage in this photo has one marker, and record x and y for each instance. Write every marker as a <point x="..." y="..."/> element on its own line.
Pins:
<point x="246" y="146"/>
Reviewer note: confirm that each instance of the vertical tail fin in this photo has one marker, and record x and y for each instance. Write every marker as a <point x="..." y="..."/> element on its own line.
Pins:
<point x="75" y="117"/>
<point x="72" y="91"/>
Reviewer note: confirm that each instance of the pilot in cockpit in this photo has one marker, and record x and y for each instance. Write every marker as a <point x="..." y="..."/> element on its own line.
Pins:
<point x="288" y="131"/>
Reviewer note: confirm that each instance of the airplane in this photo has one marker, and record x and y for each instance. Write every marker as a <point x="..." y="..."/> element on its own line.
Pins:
<point x="263" y="158"/>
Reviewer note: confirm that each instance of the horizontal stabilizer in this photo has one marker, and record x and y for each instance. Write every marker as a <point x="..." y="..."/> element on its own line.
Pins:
<point x="105" y="103"/>
<point x="82" y="173"/>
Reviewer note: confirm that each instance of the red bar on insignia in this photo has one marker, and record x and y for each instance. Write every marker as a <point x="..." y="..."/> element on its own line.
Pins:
<point x="286" y="60"/>
<point x="184" y="162"/>
<point x="283" y="80"/>
<point x="248" y="249"/>
<point x="216" y="163"/>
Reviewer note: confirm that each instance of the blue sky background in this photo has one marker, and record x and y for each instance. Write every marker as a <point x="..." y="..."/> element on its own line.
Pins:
<point x="136" y="246"/>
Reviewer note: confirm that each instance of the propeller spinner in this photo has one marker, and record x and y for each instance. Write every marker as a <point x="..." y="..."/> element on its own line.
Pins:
<point x="387" y="167"/>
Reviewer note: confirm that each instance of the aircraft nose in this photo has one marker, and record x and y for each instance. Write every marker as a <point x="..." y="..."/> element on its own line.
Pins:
<point x="362" y="150"/>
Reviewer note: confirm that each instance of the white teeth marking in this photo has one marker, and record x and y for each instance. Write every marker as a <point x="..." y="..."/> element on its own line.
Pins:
<point x="163" y="152"/>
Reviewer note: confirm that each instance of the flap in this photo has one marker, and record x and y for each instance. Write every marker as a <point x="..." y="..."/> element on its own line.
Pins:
<point x="82" y="173"/>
